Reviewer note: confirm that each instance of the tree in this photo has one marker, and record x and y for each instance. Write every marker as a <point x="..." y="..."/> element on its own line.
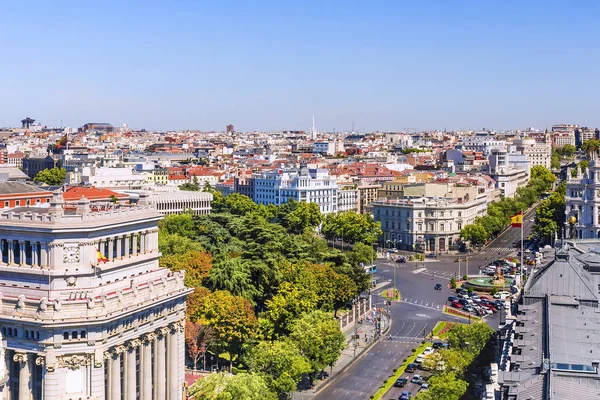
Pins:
<point x="192" y="186"/>
<point x="225" y="386"/>
<point x="474" y="233"/>
<point x="198" y="339"/>
<point x="170" y="244"/>
<point x="307" y="216"/>
<point x="362" y="254"/>
<point x="287" y="305"/>
<point x="180" y="224"/>
<point x="443" y="387"/>
<point x="240" y="204"/>
<point x="233" y="275"/>
<point x="232" y="319"/>
<point x="352" y="227"/>
<point x="280" y="364"/>
<point x="542" y="173"/>
<point x="52" y="177"/>
<point x="590" y="144"/>
<point x="319" y="339"/>
<point x="472" y="337"/>
<point x="196" y="264"/>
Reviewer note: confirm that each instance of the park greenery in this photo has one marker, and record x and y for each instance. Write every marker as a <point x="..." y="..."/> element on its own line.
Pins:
<point x="453" y="368"/>
<point x="499" y="212"/>
<point x="52" y="177"/>
<point x="550" y="213"/>
<point x="561" y="153"/>
<point x="267" y="287"/>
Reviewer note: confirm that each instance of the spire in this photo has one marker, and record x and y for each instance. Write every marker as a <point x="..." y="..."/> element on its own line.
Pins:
<point x="313" y="129"/>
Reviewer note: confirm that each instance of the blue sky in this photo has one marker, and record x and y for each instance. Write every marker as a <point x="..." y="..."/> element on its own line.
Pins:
<point x="269" y="65"/>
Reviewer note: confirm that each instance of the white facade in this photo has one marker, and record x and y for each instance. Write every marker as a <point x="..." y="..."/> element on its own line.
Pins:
<point x="538" y="153"/>
<point x="83" y="326"/>
<point x="347" y="199"/>
<point x="113" y="178"/>
<point x="307" y="185"/>
<point x="583" y="202"/>
<point x="426" y="224"/>
<point x="509" y="171"/>
<point x="180" y="201"/>
<point x="483" y="144"/>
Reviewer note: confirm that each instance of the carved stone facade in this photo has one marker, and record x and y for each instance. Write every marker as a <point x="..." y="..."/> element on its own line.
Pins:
<point x="85" y="310"/>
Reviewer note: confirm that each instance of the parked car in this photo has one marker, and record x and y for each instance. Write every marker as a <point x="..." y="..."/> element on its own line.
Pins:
<point x="456" y="304"/>
<point x="438" y="286"/>
<point x="502" y="295"/>
<point x="437" y="345"/>
<point x="424" y="386"/>
<point x="404" y="396"/>
<point x="431" y="255"/>
<point x="412" y="367"/>
<point x="428" y="351"/>
<point x="419" y="359"/>
<point x="417" y="379"/>
<point x="401" y="382"/>
<point x="452" y="298"/>
<point x="468" y="308"/>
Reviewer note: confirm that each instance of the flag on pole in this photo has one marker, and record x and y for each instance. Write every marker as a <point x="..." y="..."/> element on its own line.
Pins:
<point x="101" y="257"/>
<point x="63" y="141"/>
<point x="517" y="220"/>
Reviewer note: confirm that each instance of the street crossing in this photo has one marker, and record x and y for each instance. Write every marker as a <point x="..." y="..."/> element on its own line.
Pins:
<point x="495" y="250"/>
<point x="436" y="273"/>
<point x="423" y="303"/>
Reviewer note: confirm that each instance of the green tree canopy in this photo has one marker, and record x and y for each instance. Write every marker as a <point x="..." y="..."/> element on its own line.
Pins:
<point x="280" y="364"/>
<point x="474" y="233"/>
<point x="443" y="387"/>
<point x="319" y="339"/>
<point x="306" y="216"/>
<point x="224" y="386"/>
<point x="233" y="275"/>
<point x="196" y="264"/>
<point x="473" y="337"/>
<point x="352" y="227"/>
<point x="192" y="186"/>
<point x="52" y="177"/>
<point x="240" y="204"/>
<point x="180" y="224"/>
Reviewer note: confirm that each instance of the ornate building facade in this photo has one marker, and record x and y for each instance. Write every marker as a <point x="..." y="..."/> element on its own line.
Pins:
<point x="85" y="309"/>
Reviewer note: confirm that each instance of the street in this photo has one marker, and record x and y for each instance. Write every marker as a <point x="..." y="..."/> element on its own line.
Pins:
<point x="419" y="310"/>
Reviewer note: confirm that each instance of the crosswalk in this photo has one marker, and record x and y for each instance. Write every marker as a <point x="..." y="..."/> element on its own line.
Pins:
<point x="404" y="339"/>
<point x="435" y="273"/>
<point x="423" y="303"/>
<point x="496" y="250"/>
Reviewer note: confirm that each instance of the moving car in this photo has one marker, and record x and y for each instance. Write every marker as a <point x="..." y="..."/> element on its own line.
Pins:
<point x="438" y="286"/>
<point x="411" y="367"/>
<point x="401" y="382"/>
<point x="404" y="396"/>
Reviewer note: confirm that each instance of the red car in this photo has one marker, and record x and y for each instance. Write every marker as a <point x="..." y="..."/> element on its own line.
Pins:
<point x="456" y="304"/>
<point x="491" y="307"/>
<point x="485" y="298"/>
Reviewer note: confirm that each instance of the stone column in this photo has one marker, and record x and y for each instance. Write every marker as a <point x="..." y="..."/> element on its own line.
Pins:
<point x="119" y="248"/>
<point x="160" y="359"/>
<point x="127" y="239"/>
<point x="134" y="244"/>
<point x="2" y="247"/>
<point x="146" y="369"/>
<point x="130" y="370"/>
<point x="173" y="369"/>
<point x="11" y="252"/>
<point x="142" y="242"/>
<point x="22" y="258"/>
<point x="115" y="377"/>
<point x="43" y="255"/>
<point x="110" y="254"/>
<point x="34" y="253"/>
<point x="24" y="376"/>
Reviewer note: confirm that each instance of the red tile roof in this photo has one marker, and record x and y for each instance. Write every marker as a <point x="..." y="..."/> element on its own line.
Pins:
<point x="91" y="193"/>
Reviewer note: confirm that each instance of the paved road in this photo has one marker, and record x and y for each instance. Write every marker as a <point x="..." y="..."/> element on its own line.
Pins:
<point x="419" y="311"/>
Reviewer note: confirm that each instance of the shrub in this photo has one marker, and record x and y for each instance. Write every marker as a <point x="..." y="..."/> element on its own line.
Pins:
<point x="453" y="283"/>
<point x="494" y="291"/>
<point x="470" y="289"/>
<point x="395" y="369"/>
<point x="413" y="350"/>
<point x="405" y="360"/>
<point x="411" y="258"/>
<point x="465" y="277"/>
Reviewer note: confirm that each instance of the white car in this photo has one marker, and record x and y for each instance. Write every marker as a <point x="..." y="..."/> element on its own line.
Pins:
<point x="502" y="295"/>
<point x="428" y="351"/>
<point x="532" y="220"/>
<point x="419" y="359"/>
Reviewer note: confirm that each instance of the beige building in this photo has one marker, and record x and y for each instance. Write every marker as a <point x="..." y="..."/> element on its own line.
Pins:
<point x="538" y="153"/>
<point x="85" y="309"/>
<point x="367" y="194"/>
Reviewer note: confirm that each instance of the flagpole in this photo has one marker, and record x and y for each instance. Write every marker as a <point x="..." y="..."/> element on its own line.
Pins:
<point x="522" y="223"/>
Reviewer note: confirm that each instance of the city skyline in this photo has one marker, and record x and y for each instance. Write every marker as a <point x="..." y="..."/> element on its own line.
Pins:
<point x="272" y="66"/>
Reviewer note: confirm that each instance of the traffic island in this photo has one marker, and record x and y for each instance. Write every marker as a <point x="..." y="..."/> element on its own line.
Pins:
<point x="388" y="383"/>
<point x="487" y="284"/>
<point x="391" y="294"/>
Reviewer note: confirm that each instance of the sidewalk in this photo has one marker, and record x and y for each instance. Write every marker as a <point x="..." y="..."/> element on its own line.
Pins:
<point x="367" y="331"/>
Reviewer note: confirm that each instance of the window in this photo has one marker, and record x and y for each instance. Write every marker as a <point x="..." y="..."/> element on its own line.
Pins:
<point x="420" y="215"/>
<point x="66" y="336"/>
<point x="420" y="227"/>
<point x="442" y="227"/>
<point x="459" y="225"/>
<point x="431" y="227"/>
<point x="460" y="213"/>
<point x="18" y="202"/>
<point x="408" y="226"/>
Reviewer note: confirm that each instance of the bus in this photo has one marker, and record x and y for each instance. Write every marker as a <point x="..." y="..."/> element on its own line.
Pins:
<point x="370" y="269"/>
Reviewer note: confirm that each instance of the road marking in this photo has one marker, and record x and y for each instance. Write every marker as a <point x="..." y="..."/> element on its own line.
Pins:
<point x="422" y="315"/>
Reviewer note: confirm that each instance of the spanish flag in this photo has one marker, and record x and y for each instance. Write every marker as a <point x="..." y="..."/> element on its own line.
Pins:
<point x="63" y="141"/>
<point x="101" y="257"/>
<point x="517" y="220"/>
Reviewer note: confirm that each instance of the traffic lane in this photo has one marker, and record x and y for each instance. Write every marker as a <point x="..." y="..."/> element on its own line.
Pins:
<point x="365" y="377"/>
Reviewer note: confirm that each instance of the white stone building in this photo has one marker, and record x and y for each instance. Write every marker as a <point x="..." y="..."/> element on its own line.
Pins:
<point x="582" y="219"/>
<point x="426" y="224"/>
<point x="85" y="309"/>
<point x="304" y="185"/>
<point x="509" y="171"/>
<point x="180" y="201"/>
<point x="347" y="198"/>
<point x="537" y="152"/>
